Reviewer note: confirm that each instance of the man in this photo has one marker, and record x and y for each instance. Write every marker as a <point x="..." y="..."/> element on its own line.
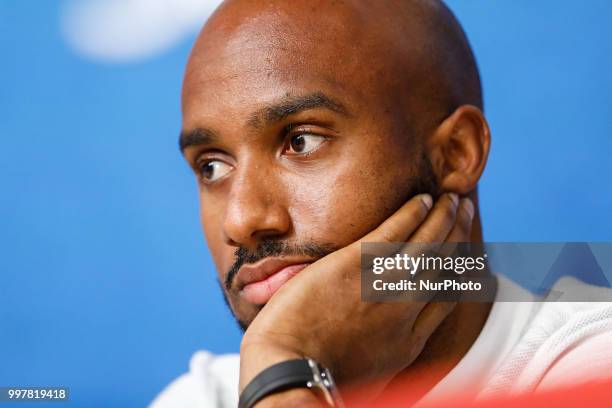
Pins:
<point x="313" y="126"/>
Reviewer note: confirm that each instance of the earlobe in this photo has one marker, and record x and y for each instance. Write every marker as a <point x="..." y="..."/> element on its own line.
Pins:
<point x="459" y="149"/>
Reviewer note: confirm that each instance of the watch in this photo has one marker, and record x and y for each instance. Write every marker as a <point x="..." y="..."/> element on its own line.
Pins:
<point x="298" y="373"/>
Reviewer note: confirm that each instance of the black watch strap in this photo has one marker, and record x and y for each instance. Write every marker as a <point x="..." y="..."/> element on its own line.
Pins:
<point x="279" y="377"/>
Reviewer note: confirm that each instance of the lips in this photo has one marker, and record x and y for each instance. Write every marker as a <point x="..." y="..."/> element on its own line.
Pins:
<point x="258" y="282"/>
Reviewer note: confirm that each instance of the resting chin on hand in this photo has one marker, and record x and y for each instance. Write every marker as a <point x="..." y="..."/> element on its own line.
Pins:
<point x="319" y="313"/>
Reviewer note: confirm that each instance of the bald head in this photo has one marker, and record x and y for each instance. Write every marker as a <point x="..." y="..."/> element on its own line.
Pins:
<point x="414" y="53"/>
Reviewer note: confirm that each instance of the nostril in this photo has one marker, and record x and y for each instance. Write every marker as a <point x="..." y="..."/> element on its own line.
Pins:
<point x="231" y="242"/>
<point x="268" y="234"/>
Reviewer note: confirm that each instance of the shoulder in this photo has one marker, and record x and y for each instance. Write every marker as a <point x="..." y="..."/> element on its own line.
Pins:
<point x="212" y="380"/>
<point x="581" y="343"/>
<point x="590" y="360"/>
<point x="561" y="342"/>
<point x="565" y="339"/>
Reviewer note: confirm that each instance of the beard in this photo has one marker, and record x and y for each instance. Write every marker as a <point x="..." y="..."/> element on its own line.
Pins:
<point x="424" y="182"/>
<point x="269" y="248"/>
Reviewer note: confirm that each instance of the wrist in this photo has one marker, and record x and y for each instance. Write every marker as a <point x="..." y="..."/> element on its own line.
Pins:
<point x="256" y="356"/>
<point x="296" y="398"/>
<point x="274" y="376"/>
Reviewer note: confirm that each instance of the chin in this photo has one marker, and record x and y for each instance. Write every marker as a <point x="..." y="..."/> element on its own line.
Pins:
<point x="245" y="314"/>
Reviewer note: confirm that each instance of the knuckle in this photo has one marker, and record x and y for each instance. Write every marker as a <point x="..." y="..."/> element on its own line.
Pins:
<point x="417" y="343"/>
<point x="463" y="225"/>
<point x="448" y="213"/>
<point x="425" y="237"/>
<point x="389" y="234"/>
<point x="421" y="210"/>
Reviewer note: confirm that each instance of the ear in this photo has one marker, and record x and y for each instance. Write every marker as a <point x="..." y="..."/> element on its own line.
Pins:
<point x="459" y="148"/>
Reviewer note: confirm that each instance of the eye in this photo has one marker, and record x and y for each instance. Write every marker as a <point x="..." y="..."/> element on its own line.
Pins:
<point x="304" y="143"/>
<point x="213" y="170"/>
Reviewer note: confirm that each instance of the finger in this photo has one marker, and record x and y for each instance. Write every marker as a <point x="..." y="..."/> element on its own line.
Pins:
<point x="430" y="236"/>
<point x="463" y="226"/>
<point x="439" y="222"/>
<point x="449" y="216"/>
<point x="399" y="226"/>
<point x="430" y="318"/>
<point x="434" y="230"/>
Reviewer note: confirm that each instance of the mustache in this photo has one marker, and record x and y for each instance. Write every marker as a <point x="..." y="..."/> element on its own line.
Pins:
<point x="271" y="247"/>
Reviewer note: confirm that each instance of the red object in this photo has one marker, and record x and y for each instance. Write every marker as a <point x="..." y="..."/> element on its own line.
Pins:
<point x="589" y="395"/>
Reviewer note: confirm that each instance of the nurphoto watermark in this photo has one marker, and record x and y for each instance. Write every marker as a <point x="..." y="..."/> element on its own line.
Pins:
<point x="471" y="271"/>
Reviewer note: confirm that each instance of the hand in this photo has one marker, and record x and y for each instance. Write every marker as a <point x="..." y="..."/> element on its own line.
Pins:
<point x="319" y="313"/>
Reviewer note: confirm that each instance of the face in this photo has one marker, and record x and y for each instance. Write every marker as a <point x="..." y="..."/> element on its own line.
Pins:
<point x="298" y="147"/>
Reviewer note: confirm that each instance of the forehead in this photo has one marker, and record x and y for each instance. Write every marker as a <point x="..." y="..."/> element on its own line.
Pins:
<point x="247" y="56"/>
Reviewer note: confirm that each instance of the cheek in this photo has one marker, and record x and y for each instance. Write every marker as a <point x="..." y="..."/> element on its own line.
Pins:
<point x="352" y="196"/>
<point x="223" y="258"/>
<point x="222" y="254"/>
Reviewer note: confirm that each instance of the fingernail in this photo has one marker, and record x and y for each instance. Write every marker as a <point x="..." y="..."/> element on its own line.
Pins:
<point x="427" y="200"/>
<point x="454" y="198"/>
<point x="468" y="206"/>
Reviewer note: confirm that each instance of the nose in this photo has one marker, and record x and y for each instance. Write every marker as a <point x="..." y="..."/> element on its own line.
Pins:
<point x="255" y="208"/>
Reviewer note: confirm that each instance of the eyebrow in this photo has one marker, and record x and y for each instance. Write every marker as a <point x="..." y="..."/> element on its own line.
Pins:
<point x="291" y="105"/>
<point x="268" y="115"/>
<point x="197" y="136"/>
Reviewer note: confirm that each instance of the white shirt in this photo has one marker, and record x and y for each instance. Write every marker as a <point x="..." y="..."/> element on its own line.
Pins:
<point x="523" y="347"/>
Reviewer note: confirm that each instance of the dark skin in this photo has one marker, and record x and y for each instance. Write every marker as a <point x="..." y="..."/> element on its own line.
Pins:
<point x="305" y="122"/>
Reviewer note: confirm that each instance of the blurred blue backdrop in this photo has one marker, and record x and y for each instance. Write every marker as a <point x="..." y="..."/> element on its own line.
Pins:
<point x="107" y="286"/>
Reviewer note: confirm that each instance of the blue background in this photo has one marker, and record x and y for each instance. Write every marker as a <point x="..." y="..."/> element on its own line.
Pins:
<point x="106" y="284"/>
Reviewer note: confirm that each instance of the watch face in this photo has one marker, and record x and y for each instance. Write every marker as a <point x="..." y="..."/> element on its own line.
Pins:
<point x="323" y="382"/>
